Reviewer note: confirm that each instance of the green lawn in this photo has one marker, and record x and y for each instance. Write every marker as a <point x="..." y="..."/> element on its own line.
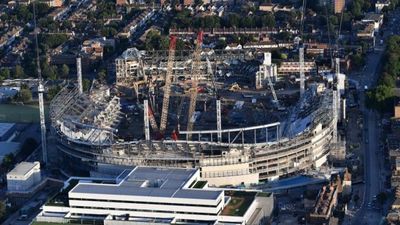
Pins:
<point x="19" y="113"/>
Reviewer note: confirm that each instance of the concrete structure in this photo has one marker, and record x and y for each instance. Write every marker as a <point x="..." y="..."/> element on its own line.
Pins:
<point x="153" y="195"/>
<point x="245" y="161"/>
<point x="250" y="144"/>
<point x="270" y="73"/>
<point x="23" y="177"/>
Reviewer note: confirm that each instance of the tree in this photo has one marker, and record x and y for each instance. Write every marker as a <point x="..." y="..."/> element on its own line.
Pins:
<point x="4" y="74"/>
<point x="52" y="92"/>
<point x="64" y="71"/>
<point x="18" y="72"/>
<point x="356" y="198"/>
<point x="29" y="146"/>
<point x="198" y="2"/>
<point x="102" y="75"/>
<point x="8" y="161"/>
<point x="24" y="95"/>
<point x="3" y="210"/>
<point x="357" y="60"/>
<point x="381" y="197"/>
<point x="49" y="72"/>
<point x="86" y="84"/>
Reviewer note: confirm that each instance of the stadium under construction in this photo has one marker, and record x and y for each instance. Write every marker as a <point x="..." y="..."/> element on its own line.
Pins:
<point x="215" y="110"/>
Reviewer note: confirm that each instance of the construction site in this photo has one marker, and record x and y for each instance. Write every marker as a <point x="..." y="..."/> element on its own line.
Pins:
<point x="225" y="112"/>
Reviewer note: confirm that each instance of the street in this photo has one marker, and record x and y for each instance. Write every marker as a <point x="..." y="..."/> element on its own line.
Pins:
<point x="373" y="163"/>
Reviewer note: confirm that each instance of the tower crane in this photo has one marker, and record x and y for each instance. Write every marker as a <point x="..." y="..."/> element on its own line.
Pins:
<point x="195" y="74"/>
<point x="211" y="73"/>
<point x="167" y="86"/>
<point x="40" y="91"/>
<point x="301" y="51"/>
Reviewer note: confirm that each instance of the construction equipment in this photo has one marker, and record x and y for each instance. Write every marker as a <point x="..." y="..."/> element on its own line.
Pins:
<point x="211" y="73"/>
<point x="167" y="86"/>
<point x="301" y="58"/>
<point x="152" y="120"/>
<point x="195" y="73"/>
<point x="40" y="91"/>
<point x="271" y="86"/>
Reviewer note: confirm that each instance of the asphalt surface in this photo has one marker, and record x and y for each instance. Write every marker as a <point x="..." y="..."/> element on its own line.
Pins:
<point x="373" y="162"/>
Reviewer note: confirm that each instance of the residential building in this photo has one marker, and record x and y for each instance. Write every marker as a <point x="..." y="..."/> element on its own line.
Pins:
<point x="375" y="19"/>
<point x="267" y="7"/>
<point x="188" y="2"/>
<point x="366" y="31"/>
<point x="136" y="23"/>
<point x="290" y="67"/>
<point x="6" y="93"/>
<point x="347" y="182"/>
<point x="94" y="48"/>
<point x="121" y="2"/>
<point x="53" y="3"/>
<point x="316" y="48"/>
<point x="380" y="4"/>
<point x="338" y="5"/>
<point x="149" y="195"/>
<point x="23" y="177"/>
<point x="23" y="2"/>
<point x="10" y="36"/>
<point x="397" y="112"/>
<point x="395" y="179"/>
<point x="326" y="202"/>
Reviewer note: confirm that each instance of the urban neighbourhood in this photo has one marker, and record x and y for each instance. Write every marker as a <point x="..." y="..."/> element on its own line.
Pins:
<point x="216" y="112"/>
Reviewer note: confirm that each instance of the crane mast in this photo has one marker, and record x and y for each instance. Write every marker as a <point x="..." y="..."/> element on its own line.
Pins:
<point x="301" y="64"/>
<point x="195" y="74"/>
<point x="167" y="86"/>
<point x="40" y="92"/>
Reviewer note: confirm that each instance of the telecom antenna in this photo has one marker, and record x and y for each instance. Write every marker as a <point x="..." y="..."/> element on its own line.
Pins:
<point x="40" y="91"/>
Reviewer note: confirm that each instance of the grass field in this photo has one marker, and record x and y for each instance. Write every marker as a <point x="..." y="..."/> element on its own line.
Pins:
<point x="19" y="113"/>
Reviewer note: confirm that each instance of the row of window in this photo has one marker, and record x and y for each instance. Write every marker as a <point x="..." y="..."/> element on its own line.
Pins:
<point x="148" y="203"/>
<point x="151" y="211"/>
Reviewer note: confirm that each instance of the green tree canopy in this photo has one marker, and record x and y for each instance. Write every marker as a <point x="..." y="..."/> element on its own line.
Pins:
<point x="19" y="72"/>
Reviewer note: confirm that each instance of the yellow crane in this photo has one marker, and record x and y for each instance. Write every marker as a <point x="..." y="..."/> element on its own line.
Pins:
<point x="195" y="76"/>
<point x="167" y="86"/>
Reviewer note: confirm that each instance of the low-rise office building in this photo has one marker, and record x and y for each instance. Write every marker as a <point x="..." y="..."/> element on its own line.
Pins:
<point x="23" y="177"/>
<point x="147" y="195"/>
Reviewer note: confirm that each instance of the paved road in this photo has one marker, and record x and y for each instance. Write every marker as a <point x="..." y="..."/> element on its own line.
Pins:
<point x="373" y="162"/>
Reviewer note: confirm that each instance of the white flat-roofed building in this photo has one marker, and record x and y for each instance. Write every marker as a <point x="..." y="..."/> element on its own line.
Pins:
<point x="147" y="195"/>
<point x="23" y="177"/>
